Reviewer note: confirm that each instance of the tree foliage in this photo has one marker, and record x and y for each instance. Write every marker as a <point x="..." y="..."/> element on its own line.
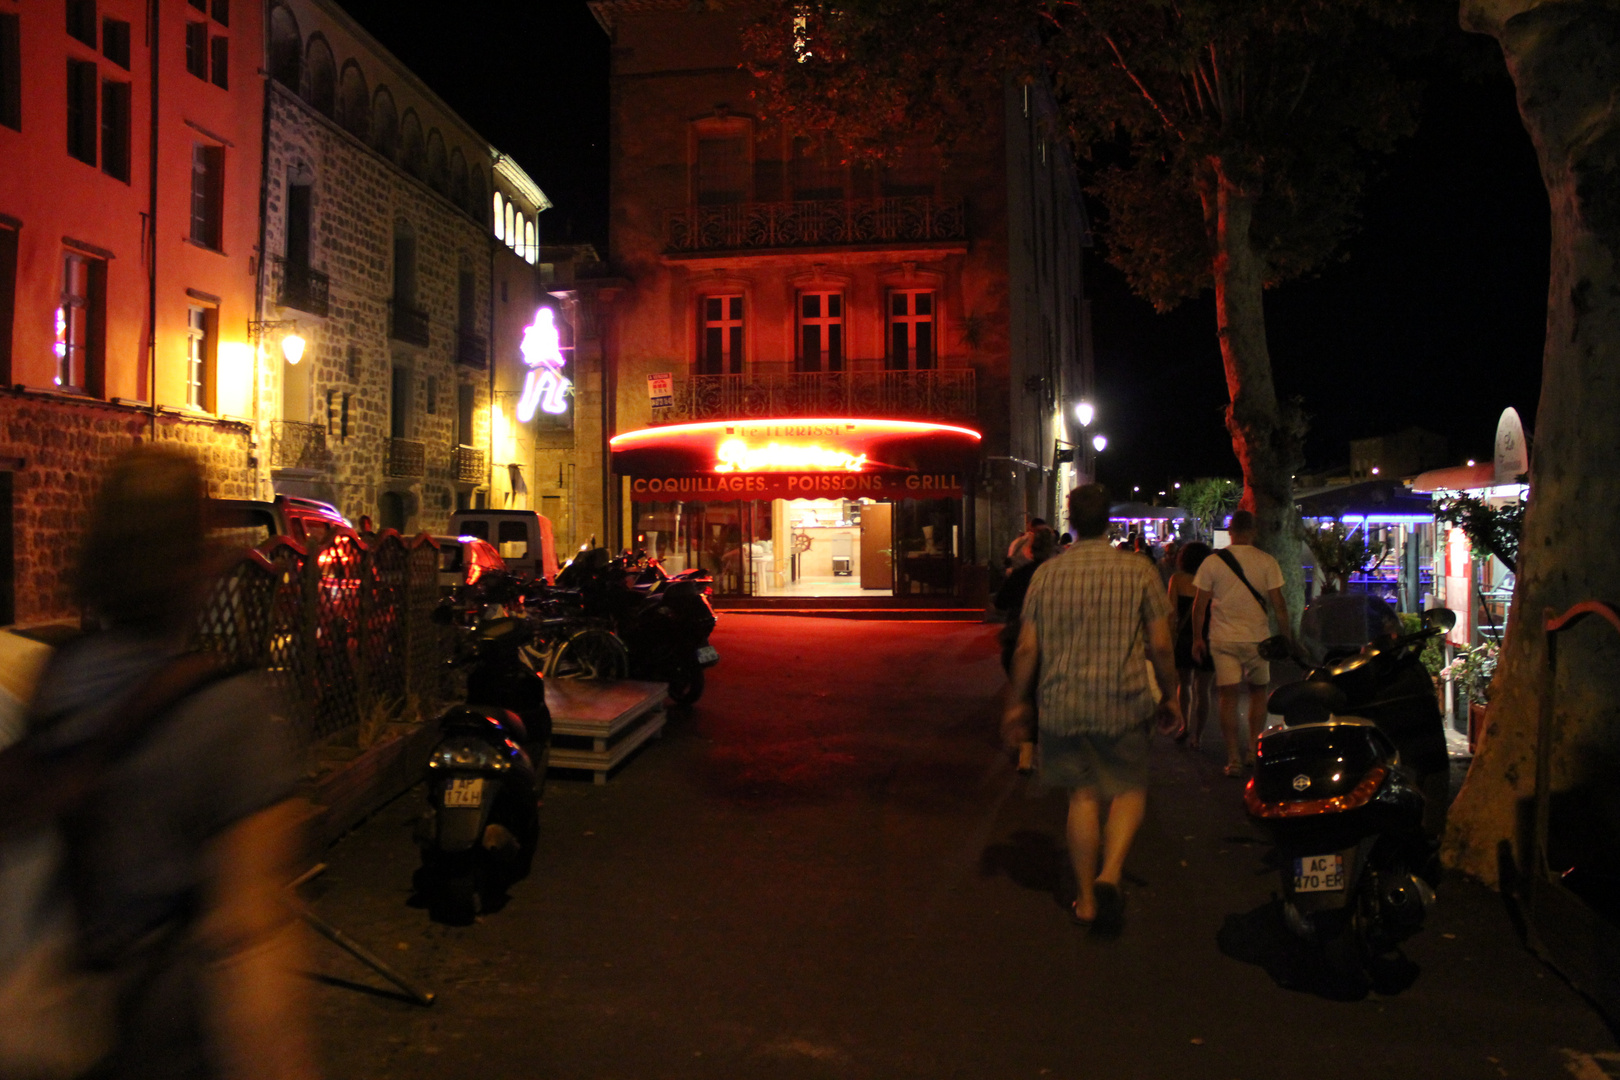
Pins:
<point x="1493" y="530"/>
<point x="1341" y="552"/>
<point x="1209" y="499"/>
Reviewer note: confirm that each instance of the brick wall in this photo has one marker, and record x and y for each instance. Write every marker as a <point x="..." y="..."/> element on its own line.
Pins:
<point x="58" y="448"/>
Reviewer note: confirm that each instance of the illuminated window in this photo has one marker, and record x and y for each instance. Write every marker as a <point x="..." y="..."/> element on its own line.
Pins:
<point x="78" y="322"/>
<point x="511" y="226"/>
<point x="531" y="250"/>
<point x="500" y="217"/>
<point x="821" y="331"/>
<point x="721" y="351"/>
<point x="197" y="349"/>
<point x="911" y="329"/>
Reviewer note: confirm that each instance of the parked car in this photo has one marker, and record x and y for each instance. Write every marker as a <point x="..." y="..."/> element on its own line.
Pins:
<point x="523" y="538"/>
<point x="304" y="520"/>
<point x="464" y="559"/>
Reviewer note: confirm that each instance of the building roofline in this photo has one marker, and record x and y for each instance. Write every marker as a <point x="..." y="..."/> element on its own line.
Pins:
<point x="605" y="10"/>
<point x="513" y="173"/>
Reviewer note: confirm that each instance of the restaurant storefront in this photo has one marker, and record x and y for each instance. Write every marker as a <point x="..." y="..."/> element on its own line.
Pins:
<point x="864" y="508"/>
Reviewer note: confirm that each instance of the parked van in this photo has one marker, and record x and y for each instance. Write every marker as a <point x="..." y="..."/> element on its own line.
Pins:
<point x="304" y="520"/>
<point x="523" y="537"/>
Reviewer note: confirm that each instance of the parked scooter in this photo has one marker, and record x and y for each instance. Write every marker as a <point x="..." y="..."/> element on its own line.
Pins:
<point x="1352" y="793"/>
<point x="485" y="777"/>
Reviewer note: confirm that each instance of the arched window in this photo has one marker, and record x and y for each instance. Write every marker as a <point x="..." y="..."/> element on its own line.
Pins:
<point x="354" y="101"/>
<point x="321" y="92"/>
<point x="286" y="48"/>
<point x="512" y="219"/>
<point x="458" y="178"/>
<point x="500" y="217"/>
<point x="384" y="124"/>
<point x="477" y="197"/>
<point x="412" y="154"/>
<point x="438" y="167"/>
<point x="531" y="250"/>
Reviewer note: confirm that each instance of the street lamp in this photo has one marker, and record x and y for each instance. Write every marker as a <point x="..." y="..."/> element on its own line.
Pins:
<point x="1099" y="443"/>
<point x="292" y="343"/>
<point x="1085" y="412"/>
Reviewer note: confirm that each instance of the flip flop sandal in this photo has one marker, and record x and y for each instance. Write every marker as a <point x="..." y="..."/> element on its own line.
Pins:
<point x="1074" y="917"/>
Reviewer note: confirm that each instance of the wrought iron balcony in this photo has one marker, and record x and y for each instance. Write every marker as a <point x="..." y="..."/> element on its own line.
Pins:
<point x="472" y="350"/>
<point x="819" y="223"/>
<point x="468" y="463"/>
<point x="408" y="324"/>
<point x="302" y="287"/>
<point x="947" y="394"/>
<point x="406" y="457"/>
<point x="297" y="445"/>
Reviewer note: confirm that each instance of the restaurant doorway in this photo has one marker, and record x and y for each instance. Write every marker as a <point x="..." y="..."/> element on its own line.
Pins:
<point x="786" y="548"/>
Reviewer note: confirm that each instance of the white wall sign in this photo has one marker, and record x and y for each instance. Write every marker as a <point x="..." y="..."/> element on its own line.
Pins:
<point x="1512" y="455"/>
<point x="661" y="390"/>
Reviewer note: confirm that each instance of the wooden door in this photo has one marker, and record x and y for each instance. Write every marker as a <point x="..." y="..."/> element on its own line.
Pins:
<point x="877" y="544"/>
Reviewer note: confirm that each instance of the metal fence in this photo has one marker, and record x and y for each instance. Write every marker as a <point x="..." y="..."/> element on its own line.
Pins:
<point x="939" y="394"/>
<point x="344" y="628"/>
<point x="815" y="223"/>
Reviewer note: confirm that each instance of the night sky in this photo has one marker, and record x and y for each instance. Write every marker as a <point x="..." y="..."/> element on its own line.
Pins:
<point x="1435" y="317"/>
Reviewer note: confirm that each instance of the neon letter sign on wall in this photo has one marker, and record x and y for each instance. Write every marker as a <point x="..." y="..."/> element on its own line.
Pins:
<point x="544" y="387"/>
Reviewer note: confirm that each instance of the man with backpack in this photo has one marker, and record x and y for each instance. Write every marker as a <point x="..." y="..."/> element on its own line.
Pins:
<point x="1241" y="588"/>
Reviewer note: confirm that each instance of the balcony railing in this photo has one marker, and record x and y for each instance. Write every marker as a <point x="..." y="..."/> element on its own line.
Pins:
<point x="914" y="395"/>
<point x="408" y="324"/>
<point x="468" y="463"/>
<point x="297" y="445"/>
<point x="302" y="287"/>
<point x="823" y="222"/>
<point x="472" y="350"/>
<point x="406" y="457"/>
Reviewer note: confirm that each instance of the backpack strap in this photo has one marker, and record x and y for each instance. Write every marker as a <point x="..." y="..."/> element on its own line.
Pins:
<point x="1226" y="556"/>
<point x="36" y="787"/>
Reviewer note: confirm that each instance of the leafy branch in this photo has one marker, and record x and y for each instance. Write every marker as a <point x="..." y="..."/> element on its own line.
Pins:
<point x="1491" y="529"/>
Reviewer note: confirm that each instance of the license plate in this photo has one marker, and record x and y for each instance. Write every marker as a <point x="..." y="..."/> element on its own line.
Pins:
<point x="708" y="654"/>
<point x="464" y="792"/>
<point x="1319" y="873"/>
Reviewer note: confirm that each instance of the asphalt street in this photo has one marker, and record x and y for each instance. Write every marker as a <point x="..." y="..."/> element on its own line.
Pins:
<point x="829" y="869"/>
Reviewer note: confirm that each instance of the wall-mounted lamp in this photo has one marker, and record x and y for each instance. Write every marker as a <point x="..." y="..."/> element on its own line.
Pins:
<point x="292" y="343"/>
<point x="1085" y="412"/>
<point x="1099" y="443"/>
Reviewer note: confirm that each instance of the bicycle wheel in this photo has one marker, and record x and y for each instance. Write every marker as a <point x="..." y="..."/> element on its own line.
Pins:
<point x="590" y="654"/>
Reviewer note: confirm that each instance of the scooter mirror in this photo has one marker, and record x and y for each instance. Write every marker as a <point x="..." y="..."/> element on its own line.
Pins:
<point x="1442" y="619"/>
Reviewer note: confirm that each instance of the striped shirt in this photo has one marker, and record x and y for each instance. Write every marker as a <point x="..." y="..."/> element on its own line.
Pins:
<point x="1092" y="608"/>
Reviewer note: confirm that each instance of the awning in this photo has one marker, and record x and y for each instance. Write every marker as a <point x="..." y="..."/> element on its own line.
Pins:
<point x="1457" y="478"/>
<point x="1138" y="511"/>
<point x="1386" y="501"/>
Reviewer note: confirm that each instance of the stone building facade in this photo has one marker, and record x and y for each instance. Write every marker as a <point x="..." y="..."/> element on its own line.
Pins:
<point x="384" y="224"/>
<point x="771" y="282"/>
<point x="126" y="281"/>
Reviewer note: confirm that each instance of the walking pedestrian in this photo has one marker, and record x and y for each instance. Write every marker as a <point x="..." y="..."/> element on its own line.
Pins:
<point x="1239" y="589"/>
<point x="167" y="782"/>
<point x="1193" y="677"/>
<point x="1010" y="598"/>
<point x="1093" y="619"/>
<point x="1018" y="550"/>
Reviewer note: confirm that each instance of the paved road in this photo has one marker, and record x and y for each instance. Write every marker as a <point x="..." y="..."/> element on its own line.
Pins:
<point x="828" y="870"/>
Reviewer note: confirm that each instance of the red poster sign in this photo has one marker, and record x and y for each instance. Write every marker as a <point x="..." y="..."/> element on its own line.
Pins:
<point x="838" y="485"/>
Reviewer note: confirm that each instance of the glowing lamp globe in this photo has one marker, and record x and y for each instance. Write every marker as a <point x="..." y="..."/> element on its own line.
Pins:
<point x="1085" y="413"/>
<point x="1099" y="443"/>
<point x="292" y="348"/>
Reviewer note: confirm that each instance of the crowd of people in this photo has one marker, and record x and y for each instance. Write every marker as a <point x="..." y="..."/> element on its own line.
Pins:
<point x="1105" y="641"/>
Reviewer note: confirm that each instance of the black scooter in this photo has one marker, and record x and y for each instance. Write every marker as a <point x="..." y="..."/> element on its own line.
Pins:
<point x="484" y="783"/>
<point x="1352" y="793"/>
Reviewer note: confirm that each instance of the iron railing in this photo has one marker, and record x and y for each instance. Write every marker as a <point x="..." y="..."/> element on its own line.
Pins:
<point x="302" y="287"/>
<point x="472" y="350"/>
<point x="297" y="445"/>
<point x="406" y="457"/>
<point x="816" y="223"/>
<point x="918" y="395"/>
<point x="408" y="324"/>
<point x="344" y="629"/>
<point x="468" y="464"/>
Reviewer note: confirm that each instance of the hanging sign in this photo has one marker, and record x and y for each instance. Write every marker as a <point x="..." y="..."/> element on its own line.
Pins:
<point x="661" y="390"/>
<point x="1512" y="455"/>
<point x="545" y="386"/>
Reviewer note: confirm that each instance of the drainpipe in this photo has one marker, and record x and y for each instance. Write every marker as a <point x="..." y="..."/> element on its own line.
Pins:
<point x="153" y="30"/>
<point x="259" y="279"/>
<point x="489" y="481"/>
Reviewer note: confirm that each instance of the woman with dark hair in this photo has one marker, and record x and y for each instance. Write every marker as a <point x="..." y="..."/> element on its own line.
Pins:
<point x="1195" y="676"/>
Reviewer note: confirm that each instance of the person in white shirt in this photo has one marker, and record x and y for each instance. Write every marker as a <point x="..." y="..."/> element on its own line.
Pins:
<point x="1239" y="620"/>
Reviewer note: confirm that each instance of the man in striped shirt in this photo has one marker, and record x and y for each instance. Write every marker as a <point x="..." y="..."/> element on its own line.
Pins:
<point x="1093" y="620"/>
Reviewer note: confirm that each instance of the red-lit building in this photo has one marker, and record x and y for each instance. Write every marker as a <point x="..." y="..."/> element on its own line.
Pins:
<point x="130" y="136"/>
<point x="829" y="380"/>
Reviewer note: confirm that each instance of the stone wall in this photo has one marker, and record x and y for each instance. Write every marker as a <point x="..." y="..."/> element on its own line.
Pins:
<point x="358" y="198"/>
<point x="57" y="448"/>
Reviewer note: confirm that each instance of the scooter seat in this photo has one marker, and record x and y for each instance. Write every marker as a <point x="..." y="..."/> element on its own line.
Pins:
<point x="481" y="718"/>
<point x="1307" y="702"/>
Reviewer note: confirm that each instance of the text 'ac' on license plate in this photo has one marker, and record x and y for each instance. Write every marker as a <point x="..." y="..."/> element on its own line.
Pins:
<point x="464" y="792"/>
<point x="1319" y="873"/>
<point x="708" y="654"/>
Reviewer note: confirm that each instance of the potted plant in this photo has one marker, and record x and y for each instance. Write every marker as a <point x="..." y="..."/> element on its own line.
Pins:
<point x="1471" y="672"/>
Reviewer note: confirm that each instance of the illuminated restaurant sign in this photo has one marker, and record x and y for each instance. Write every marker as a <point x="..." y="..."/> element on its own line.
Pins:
<point x="848" y="449"/>
<point x="775" y="485"/>
<point x="735" y="455"/>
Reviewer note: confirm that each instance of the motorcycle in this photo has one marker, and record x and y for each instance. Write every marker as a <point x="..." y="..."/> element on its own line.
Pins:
<point x="1351" y="791"/>
<point x="485" y="777"/>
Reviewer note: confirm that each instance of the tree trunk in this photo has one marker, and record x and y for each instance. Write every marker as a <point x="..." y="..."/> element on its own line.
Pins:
<point x="1565" y="61"/>
<point x="1267" y="448"/>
